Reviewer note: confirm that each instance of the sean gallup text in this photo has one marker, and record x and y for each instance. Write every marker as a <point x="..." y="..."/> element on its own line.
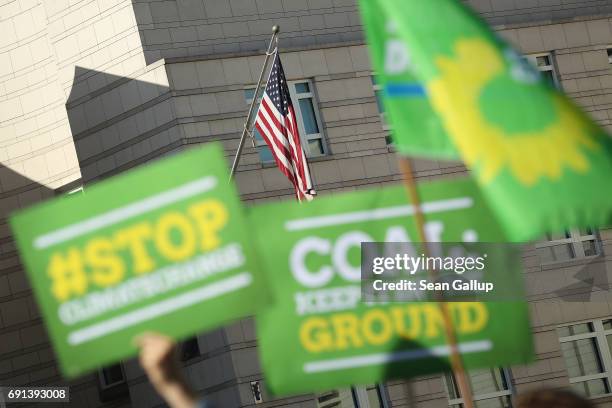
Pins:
<point x="471" y="285"/>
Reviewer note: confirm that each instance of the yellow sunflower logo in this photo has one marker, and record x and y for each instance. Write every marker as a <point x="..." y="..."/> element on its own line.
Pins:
<point x="495" y="126"/>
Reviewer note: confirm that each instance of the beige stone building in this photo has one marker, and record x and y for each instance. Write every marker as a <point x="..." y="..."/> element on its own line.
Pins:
<point x="90" y="88"/>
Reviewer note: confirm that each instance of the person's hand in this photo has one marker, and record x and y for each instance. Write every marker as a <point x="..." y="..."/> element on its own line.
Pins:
<point x="158" y="359"/>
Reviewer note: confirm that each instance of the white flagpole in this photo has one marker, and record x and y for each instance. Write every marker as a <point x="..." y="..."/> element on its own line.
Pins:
<point x="247" y="124"/>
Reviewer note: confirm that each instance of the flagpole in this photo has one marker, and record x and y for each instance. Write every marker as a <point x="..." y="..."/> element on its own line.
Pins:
<point x="247" y="124"/>
<point x="455" y="358"/>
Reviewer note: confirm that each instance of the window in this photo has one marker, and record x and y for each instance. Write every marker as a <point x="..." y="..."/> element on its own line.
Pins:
<point x="190" y="349"/>
<point x="111" y="376"/>
<point x="586" y="348"/>
<point x="609" y="52"/>
<point x="369" y="396"/>
<point x="256" y="390"/>
<point x="378" y="93"/>
<point x="112" y="384"/>
<point x="490" y="389"/>
<point x="337" y="398"/>
<point x="309" y="122"/>
<point x="574" y="243"/>
<point x="374" y="394"/>
<point x="544" y="64"/>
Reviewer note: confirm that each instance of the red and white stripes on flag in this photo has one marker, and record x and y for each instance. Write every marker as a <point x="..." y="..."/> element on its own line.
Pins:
<point x="277" y="125"/>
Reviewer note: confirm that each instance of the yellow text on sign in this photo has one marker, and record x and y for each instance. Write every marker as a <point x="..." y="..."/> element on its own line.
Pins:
<point x="104" y="260"/>
<point x="379" y="326"/>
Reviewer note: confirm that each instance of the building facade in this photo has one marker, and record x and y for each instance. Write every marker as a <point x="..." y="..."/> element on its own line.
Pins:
<point x="91" y="88"/>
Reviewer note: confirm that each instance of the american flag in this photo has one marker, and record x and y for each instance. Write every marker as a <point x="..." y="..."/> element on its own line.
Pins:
<point x="277" y="125"/>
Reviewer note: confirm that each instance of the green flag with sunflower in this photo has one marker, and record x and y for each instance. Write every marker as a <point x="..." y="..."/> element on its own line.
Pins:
<point x="541" y="163"/>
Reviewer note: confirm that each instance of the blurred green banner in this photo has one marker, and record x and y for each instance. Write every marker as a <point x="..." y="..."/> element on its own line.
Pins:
<point x="541" y="163"/>
<point x="320" y="335"/>
<point x="160" y="248"/>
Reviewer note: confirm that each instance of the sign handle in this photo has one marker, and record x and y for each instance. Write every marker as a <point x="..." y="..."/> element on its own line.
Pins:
<point x="247" y="125"/>
<point x="455" y="358"/>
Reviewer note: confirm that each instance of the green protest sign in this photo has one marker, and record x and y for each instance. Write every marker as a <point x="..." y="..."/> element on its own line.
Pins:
<point x="162" y="247"/>
<point x="320" y="335"/>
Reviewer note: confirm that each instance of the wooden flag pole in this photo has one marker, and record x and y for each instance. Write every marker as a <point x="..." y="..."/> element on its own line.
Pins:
<point x="455" y="358"/>
<point x="247" y="124"/>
